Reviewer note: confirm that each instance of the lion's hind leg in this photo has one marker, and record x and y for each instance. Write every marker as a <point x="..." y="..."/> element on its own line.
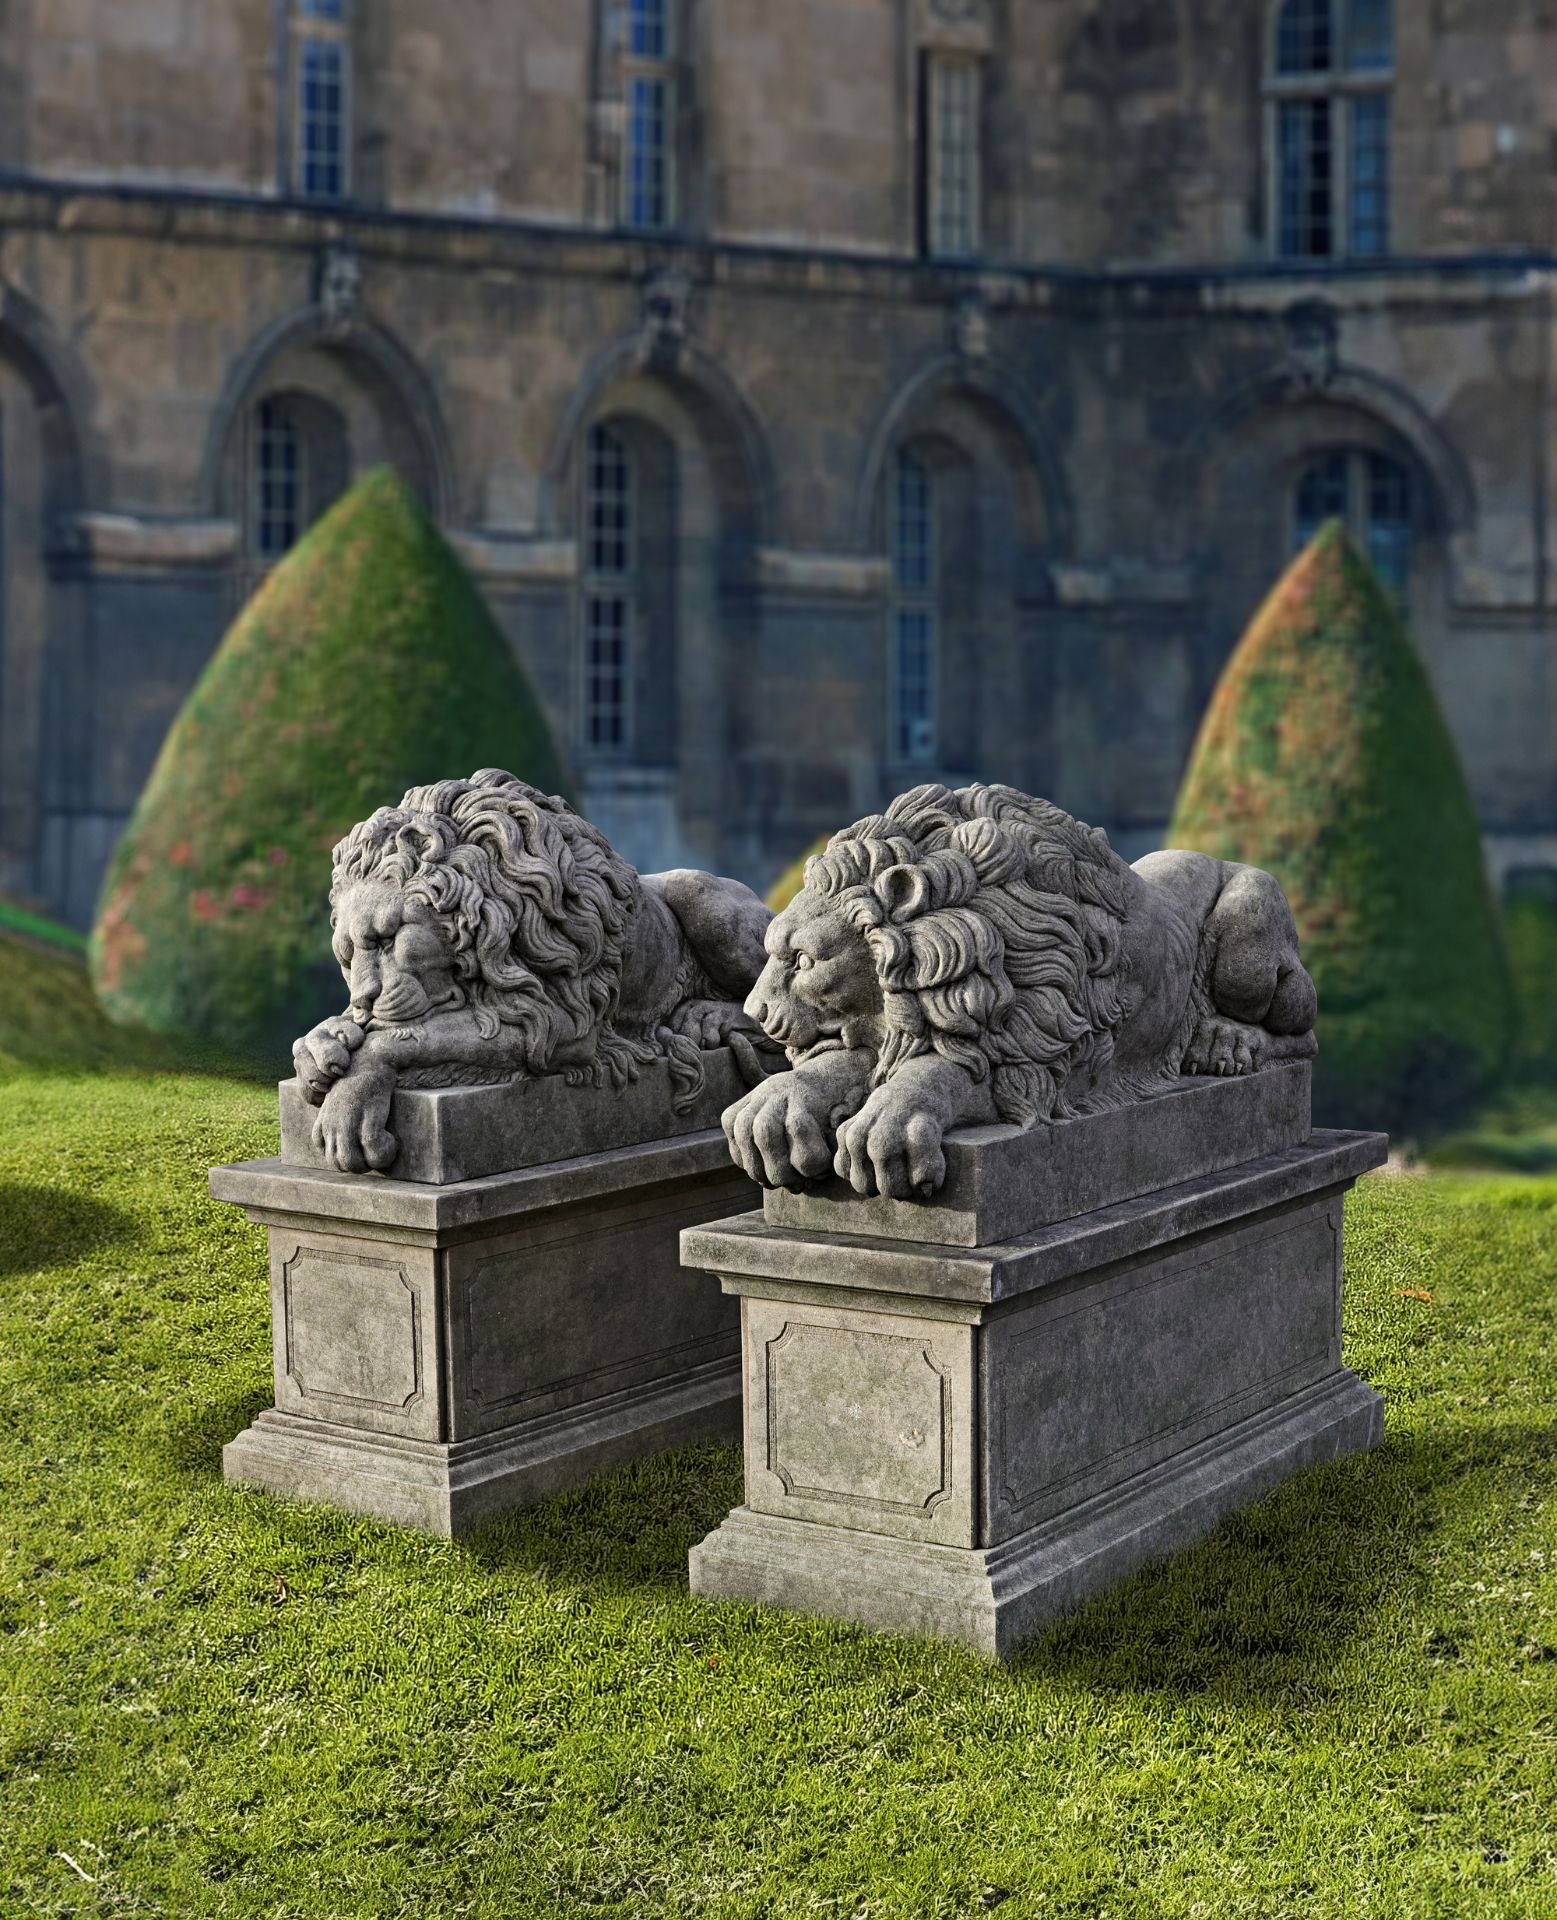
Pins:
<point x="1262" y="1001"/>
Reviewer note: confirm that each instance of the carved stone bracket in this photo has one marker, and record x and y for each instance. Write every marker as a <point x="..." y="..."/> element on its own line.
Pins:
<point x="664" y="315"/>
<point x="970" y="330"/>
<point x="338" y="286"/>
<point x="1312" y="345"/>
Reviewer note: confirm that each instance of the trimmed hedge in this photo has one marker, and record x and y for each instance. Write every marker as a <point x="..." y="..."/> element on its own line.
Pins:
<point x="1323" y="757"/>
<point x="793" y="878"/>
<point x="366" y="662"/>
<point x="1530" y="928"/>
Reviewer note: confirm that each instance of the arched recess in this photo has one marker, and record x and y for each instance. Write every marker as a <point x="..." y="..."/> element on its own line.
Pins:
<point x="700" y="484"/>
<point x="712" y="404"/>
<point x="355" y="373"/>
<point x="50" y="468"/>
<point x="1184" y="489"/>
<point x="1233" y="497"/>
<point x="993" y="393"/>
<point x="961" y="449"/>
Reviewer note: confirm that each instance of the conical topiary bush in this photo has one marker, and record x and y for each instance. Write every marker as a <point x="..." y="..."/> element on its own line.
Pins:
<point x="366" y="663"/>
<point x="793" y="878"/>
<point x="1323" y="757"/>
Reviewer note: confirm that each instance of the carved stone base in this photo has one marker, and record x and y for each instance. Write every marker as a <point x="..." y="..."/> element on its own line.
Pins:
<point x="994" y="1598"/>
<point x="443" y="1353"/>
<point x="968" y="1442"/>
<point x="450" y="1488"/>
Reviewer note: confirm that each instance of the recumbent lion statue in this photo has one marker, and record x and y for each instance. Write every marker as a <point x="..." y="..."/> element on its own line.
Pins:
<point x="978" y="956"/>
<point x="486" y="931"/>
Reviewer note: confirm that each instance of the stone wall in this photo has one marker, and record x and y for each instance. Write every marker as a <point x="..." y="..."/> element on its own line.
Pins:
<point x="1117" y="448"/>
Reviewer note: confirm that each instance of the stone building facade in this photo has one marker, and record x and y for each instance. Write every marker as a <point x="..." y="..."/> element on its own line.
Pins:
<point x="828" y="394"/>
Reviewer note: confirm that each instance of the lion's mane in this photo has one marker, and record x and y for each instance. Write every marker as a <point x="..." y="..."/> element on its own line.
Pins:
<point x="994" y="923"/>
<point x="541" y="908"/>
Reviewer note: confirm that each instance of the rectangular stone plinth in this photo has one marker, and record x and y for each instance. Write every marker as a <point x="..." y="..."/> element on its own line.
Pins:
<point x="1003" y="1181"/>
<point x="453" y="1134"/>
<point x="967" y="1442"/>
<point x="444" y="1352"/>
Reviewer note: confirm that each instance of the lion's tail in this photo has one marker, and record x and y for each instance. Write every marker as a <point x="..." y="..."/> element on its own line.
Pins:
<point x="618" y="1059"/>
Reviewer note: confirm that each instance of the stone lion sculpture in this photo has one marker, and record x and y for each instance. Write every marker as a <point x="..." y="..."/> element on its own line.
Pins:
<point x="978" y="956"/>
<point x="485" y="931"/>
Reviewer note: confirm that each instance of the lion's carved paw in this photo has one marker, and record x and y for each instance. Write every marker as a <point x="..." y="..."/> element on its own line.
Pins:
<point x="892" y="1146"/>
<point x="351" y="1130"/>
<point x="709" y="1023"/>
<point x="321" y="1057"/>
<point x="779" y="1133"/>
<point x="1224" y="1047"/>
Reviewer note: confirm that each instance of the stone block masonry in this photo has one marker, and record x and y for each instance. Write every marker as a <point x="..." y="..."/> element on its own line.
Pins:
<point x="968" y="1442"/>
<point x="446" y="1352"/>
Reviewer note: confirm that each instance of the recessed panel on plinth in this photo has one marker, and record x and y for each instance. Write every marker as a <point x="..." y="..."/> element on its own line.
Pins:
<point x="1108" y="1388"/>
<point x="447" y="1351"/>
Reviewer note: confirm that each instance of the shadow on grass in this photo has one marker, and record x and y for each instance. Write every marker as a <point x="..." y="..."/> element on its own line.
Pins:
<point x="1259" y="1609"/>
<point x="193" y="1444"/>
<point x="49" y="1226"/>
<point x="1265" y="1603"/>
<point x="629" y="1529"/>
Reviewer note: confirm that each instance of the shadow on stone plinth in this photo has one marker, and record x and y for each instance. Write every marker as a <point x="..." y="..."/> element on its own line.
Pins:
<point x="450" y="1346"/>
<point x="968" y="1441"/>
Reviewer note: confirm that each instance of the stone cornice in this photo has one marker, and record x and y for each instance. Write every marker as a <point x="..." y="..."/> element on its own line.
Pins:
<point x="128" y="543"/>
<point x="837" y="576"/>
<point x="189" y="216"/>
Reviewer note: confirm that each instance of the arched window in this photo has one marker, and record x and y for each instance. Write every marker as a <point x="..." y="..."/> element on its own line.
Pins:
<point x="608" y="594"/>
<point x="298" y="464"/>
<point x="1328" y="98"/>
<point x="1372" y="495"/>
<point x="915" y="616"/>
<point x="629" y="554"/>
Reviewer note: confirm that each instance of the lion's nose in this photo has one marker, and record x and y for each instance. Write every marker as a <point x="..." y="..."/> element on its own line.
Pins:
<point x="757" y="1001"/>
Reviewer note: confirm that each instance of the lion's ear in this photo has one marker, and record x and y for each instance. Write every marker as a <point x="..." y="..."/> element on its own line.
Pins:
<point x="903" y="891"/>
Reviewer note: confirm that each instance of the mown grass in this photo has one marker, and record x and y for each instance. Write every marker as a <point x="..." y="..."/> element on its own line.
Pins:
<point x="1344" y="1704"/>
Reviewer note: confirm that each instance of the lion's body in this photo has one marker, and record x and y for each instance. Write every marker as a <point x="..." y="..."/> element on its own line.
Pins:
<point x="555" y="955"/>
<point x="981" y="955"/>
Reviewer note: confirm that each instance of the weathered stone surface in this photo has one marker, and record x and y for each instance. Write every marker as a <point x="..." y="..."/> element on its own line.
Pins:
<point x="976" y="956"/>
<point x="453" y="1134"/>
<point x="968" y="1442"/>
<point x="1002" y="1182"/>
<point x="994" y="1599"/>
<point x="443" y="1352"/>
<point x="486" y="932"/>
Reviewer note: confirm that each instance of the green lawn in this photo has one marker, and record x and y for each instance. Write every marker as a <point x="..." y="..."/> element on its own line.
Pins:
<point x="1345" y="1704"/>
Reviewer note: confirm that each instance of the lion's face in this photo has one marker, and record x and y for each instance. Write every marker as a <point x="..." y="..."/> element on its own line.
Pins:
<point x="819" y="982"/>
<point x="397" y="954"/>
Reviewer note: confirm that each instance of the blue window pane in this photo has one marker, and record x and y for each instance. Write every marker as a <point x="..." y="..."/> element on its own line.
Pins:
<point x="1305" y="37"/>
<point x="646" y="160"/>
<point x="608" y="554"/>
<point x="646" y="31"/>
<point x="915" y="612"/>
<point x="912" y="542"/>
<point x="322" y="118"/>
<point x="610" y="502"/>
<point x="1370" y="35"/>
<point x="1369" y="210"/>
<point x="278" y="479"/>
<point x="1389" y="520"/>
<point x="1305" y="179"/>
<point x="1323" y="493"/>
<point x="323" y="9"/>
